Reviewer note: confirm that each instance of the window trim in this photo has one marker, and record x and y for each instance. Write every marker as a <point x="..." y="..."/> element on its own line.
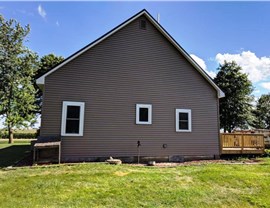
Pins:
<point x="177" y="111"/>
<point x="64" y="118"/>
<point x="149" y="106"/>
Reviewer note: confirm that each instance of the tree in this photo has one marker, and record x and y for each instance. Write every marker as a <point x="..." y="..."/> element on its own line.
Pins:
<point x="17" y="69"/>
<point x="235" y="107"/>
<point x="46" y="63"/>
<point x="262" y="113"/>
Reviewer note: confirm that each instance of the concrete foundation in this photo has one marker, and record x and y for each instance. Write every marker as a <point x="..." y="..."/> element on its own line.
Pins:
<point x="142" y="159"/>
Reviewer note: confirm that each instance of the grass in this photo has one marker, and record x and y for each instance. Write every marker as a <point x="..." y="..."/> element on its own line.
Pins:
<point x="103" y="185"/>
<point x="10" y="154"/>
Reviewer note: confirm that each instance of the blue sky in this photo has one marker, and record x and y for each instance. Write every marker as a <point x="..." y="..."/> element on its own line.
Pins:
<point x="210" y="31"/>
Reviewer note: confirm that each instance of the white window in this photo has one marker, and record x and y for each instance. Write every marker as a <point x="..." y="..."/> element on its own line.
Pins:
<point x="183" y="120"/>
<point x="143" y="114"/>
<point x="72" y="118"/>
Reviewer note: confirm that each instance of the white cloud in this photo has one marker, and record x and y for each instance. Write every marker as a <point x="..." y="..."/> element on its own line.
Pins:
<point x="41" y="12"/>
<point x="266" y="85"/>
<point x="257" y="68"/>
<point x="202" y="64"/>
<point x="211" y="74"/>
<point x="199" y="61"/>
<point x="57" y="23"/>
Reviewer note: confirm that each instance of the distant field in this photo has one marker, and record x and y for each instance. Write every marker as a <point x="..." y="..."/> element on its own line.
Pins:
<point x="26" y="131"/>
<point x="23" y="130"/>
<point x="20" y="134"/>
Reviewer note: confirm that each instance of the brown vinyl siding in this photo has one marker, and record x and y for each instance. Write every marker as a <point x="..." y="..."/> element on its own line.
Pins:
<point x="133" y="66"/>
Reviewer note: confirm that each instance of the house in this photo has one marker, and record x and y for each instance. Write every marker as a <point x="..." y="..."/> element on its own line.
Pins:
<point x="133" y="91"/>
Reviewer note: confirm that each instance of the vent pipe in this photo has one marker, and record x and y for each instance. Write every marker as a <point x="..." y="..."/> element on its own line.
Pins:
<point x="158" y="17"/>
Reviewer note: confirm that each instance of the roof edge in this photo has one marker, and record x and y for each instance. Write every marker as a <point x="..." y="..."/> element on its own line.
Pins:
<point x="220" y="93"/>
<point x="41" y="80"/>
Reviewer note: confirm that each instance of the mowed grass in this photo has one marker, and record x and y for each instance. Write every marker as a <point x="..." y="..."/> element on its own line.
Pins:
<point x="10" y="154"/>
<point x="103" y="185"/>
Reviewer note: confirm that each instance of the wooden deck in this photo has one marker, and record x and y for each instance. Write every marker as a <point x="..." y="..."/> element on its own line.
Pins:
<point x="241" y="143"/>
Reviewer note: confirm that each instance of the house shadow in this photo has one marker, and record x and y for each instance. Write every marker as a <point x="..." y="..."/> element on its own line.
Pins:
<point x="12" y="155"/>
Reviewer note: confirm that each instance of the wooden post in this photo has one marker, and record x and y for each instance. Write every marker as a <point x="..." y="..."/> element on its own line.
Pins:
<point x="262" y="143"/>
<point x="37" y="156"/>
<point x="242" y="144"/>
<point x="221" y="143"/>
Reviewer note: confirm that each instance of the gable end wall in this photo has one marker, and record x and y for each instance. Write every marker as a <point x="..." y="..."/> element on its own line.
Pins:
<point x="133" y="66"/>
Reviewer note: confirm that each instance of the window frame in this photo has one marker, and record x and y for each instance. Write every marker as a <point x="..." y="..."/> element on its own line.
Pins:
<point x="64" y="118"/>
<point x="188" y="111"/>
<point x="149" y="107"/>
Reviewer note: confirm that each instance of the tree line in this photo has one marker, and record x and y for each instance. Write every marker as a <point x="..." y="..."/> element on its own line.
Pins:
<point x="21" y="98"/>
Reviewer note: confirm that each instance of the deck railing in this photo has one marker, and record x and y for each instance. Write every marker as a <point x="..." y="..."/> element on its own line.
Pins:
<point x="242" y="143"/>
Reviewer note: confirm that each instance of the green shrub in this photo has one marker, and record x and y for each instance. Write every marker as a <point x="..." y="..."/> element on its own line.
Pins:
<point x="267" y="153"/>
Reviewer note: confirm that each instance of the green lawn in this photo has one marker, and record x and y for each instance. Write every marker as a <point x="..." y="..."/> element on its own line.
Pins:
<point x="10" y="154"/>
<point x="103" y="185"/>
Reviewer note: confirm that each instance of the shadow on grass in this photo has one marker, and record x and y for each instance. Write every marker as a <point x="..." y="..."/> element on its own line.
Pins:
<point x="11" y="155"/>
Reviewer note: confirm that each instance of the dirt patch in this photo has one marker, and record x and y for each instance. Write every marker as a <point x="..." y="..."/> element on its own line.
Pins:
<point x="173" y="164"/>
<point x="244" y="161"/>
<point x="120" y="173"/>
<point x="203" y="162"/>
<point x="28" y="161"/>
